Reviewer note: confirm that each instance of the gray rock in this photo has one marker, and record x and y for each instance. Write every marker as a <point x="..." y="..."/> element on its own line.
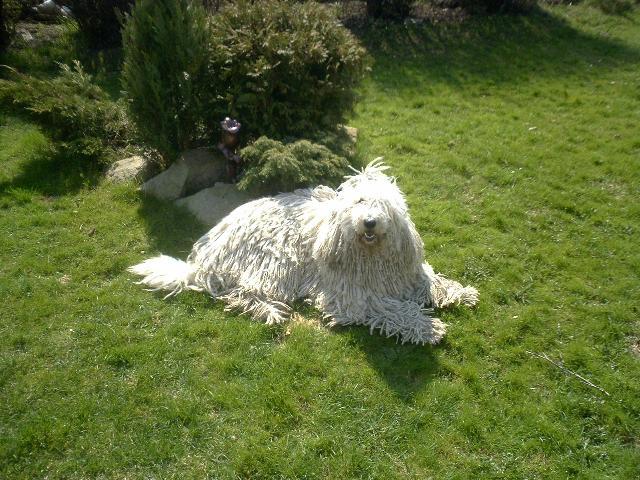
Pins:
<point x="352" y="132"/>
<point x="168" y="185"/>
<point x="25" y="36"/>
<point x="206" y="167"/>
<point x="133" y="168"/>
<point x="213" y="204"/>
<point x="346" y="139"/>
<point x="194" y="170"/>
<point x="49" y="10"/>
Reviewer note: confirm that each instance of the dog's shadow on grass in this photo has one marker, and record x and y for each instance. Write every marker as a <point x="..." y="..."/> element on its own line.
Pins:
<point x="171" y="230"/>
<point x="406" y="369"/>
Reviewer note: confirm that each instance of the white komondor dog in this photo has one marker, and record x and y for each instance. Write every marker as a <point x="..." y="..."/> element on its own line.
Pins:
<point x="353" y="253"/>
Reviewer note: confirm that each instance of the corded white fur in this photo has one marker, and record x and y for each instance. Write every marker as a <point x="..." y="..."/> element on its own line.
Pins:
<point x="315" y="244"/>
<point x="166" y="273"/>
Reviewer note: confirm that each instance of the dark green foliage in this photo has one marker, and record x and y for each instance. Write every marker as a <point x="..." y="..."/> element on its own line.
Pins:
<point x="212" y="5"/>
<point x="274" y="167"/>
<point x="9" y="15"/>
<point x="496" y="6"/>
<point x="165" y="58"/>
<point x="74" y="110"/>
<point x="389" y="9"/>
<point x="99" y="20"/>
<point x="337" y="140"/>
<point x="26" y="6"/>
<point x="283" y="68"/>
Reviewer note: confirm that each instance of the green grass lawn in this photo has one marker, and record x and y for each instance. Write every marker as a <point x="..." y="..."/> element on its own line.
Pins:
<point x="517" y="142"/>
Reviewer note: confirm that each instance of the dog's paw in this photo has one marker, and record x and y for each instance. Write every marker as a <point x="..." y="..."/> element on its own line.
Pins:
<point x="431" y="330"/>
<point x="437" y="331"/>
<point x="469" y="297"/>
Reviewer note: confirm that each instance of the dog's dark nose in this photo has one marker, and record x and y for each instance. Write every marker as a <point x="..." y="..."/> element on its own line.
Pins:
<point x="369" y="223"/>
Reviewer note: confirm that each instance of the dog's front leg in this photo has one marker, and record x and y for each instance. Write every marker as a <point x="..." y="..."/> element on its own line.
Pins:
<point x="405" y="319"/>
<point x="443" y="292"/>
<point x="260" y="306"/>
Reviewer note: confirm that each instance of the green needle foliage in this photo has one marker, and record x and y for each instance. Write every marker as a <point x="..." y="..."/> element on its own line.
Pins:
<point x="165" y="59"/>
<point x="9" y="16"/>
<point x="284" y="68"/>
<point x="497" y="6"/>
<point x="389" y="9"/>
<point x="73" y="109"/>
<point x="281" y="68"/>
<point x="274" y="167"/>
<point x="615" y="7"/>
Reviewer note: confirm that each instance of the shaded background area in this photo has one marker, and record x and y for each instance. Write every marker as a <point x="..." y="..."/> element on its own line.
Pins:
<point x="491" y="51"/>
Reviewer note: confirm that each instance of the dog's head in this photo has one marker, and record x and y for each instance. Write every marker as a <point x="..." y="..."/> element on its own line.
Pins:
<point x="372" y="206"/>
<point x="371" y="218"/>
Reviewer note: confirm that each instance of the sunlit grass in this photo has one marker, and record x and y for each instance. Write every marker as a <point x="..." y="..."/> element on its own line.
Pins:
<point x="516" y="141"/>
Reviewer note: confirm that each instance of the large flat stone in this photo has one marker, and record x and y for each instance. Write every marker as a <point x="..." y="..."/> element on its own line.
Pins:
<point x="195" y="170"/>
<point x="168" y="185"/>
<point x="205" y="166"/>
<point x="213" y="204"/>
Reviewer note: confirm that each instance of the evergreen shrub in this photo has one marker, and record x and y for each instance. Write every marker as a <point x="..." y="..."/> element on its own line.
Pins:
<point x="76" y="112"/>
<point x="273" y="166"/>
<point x="9" y="15"/>
<point x="283" y="68"/>
<point x="614" y="7"/>
<point x="165" y="60"/>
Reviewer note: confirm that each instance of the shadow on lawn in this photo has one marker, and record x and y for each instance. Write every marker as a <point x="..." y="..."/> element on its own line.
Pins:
<point x="53" y="173"/>
<point x="405" y="368"/>
<point x="170" y="229"/>
<point x="488" y="51"/>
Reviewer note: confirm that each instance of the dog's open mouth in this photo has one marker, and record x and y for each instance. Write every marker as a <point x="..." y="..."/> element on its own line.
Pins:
<point x="369" y="238"/>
